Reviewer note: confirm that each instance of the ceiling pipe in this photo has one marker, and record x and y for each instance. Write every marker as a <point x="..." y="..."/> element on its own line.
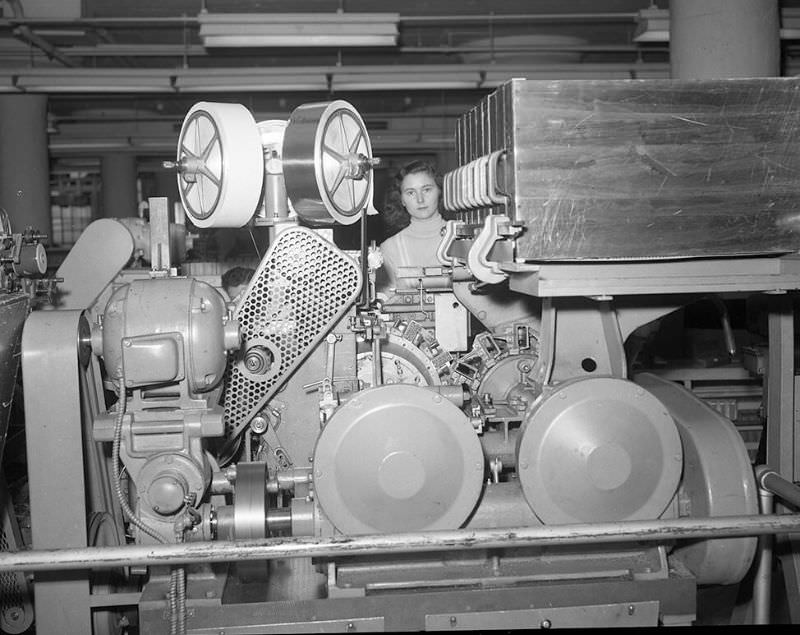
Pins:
<point x="409" y="19"/>
<point x="24" y="32"/>
<point x="196" y="50"/>
<point x="521" y="17"/>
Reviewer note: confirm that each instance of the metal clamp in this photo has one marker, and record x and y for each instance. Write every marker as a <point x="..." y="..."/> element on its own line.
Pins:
<point x="448" y="237"/>
<point x="477" y="258"/>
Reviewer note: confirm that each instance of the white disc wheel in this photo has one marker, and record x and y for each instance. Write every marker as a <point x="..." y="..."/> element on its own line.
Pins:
<point x="221" y="165"/>
<point x="327" y="163"/>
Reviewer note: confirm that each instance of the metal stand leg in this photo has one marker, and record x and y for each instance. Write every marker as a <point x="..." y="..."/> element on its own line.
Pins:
<point x="781" y="388"/>
<point x="762" y="587"/>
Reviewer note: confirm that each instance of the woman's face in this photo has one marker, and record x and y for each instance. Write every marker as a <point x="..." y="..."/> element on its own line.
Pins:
<point x="420" y="195"/>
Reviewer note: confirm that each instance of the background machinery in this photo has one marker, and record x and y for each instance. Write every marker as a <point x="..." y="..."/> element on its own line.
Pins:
<point x="23" y="265"/>
<point x="478" y="439"/>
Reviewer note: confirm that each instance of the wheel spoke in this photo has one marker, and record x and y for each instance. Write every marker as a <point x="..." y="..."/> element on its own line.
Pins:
<point x="207" y="150"/>
<point x="354" y="145"/>
<point x="339" y="178"/>
<point x="334" y="153"/>
<point x="343" y="132"/>
<point x="201" y="197"/>
<point x="352" y="195"/>
<point x="188" y="151"/>
<point x="216" y="180"/>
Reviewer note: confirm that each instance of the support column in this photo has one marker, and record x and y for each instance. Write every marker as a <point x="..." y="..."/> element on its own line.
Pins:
<point x="713" y="39"/>
<point x="24" y="162"/>
<point x="118" y="182"/>
<point x="716" y="39"/>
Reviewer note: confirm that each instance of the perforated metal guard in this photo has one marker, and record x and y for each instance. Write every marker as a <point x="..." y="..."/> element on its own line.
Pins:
<point x="302" y="287"/>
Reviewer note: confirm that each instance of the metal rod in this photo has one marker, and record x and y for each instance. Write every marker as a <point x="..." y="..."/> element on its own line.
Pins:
<point x="526" y="48"/>
<point x="377" y="359"/>
<point x="770" y="480"/>
<point x="196" y="50"/>
<point x="39" y="42"/>
<point x="762" y="586"/>
<point x="521" y="17"/>
<point x="573" y="534"/>
<point x="193" y="21"/>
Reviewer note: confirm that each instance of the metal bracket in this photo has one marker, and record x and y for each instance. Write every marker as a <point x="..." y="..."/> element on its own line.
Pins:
<point x="495" y="227"/>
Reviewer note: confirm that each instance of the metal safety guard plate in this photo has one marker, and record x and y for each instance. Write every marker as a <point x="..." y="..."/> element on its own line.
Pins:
<point x="302" y="287"/>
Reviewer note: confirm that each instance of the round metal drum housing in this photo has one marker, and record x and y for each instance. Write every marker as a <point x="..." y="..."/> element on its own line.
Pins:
<point x="599" y="449"/>
<point x="717" y="480"/>
<point x="401" y="363"/>
<point x="397" y="458"/>
<point x="512" y="376"/>
<point x="326" y="155"/>
<point x="221" y="165"/>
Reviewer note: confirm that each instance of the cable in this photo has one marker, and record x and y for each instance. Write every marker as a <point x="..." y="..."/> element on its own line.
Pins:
<point x="172" y="601"/>
<point x="126" y="508"/>
<point x="255" y="244"/>
<point x="176" y="596"/>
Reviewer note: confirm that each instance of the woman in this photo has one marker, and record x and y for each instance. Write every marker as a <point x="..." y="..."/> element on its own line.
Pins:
<point x="414" y="204"/>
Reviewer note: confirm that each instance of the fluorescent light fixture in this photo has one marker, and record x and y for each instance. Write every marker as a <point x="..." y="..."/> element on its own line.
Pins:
<point x="407" y="77"/>
<point x="653" y="25"/>
<point x="215" y="80"/>
<point x="498" y="75"/>
<point x="298" y="29"/>
<point x="383" y="141"/>
<point x="93" y="80"/>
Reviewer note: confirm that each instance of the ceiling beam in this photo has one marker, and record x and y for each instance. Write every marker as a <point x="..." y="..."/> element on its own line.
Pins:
<point x="309" y="78"/>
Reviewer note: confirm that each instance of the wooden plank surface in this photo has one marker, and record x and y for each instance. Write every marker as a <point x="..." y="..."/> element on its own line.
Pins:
<point x="618" y="169"/>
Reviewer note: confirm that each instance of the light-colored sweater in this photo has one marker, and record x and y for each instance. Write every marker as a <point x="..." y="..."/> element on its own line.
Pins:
<point x="414" y="246"/>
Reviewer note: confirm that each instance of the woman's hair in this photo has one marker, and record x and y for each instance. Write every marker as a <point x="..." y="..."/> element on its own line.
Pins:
<point x="237" y="275"/>
<point x="395" y="216"/>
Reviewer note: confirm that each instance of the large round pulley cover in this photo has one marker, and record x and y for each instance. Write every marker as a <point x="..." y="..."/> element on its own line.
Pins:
<point x="221" y="165"/>
<point x="599" y="450"/>
<point x="323" y="146"/>
<point x="397" y="458"/>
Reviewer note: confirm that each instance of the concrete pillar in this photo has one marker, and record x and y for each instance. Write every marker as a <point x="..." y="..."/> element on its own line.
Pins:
<point x="714" y="39"/>
<point x="24" y="161"/>
<point x="118" y="183"/>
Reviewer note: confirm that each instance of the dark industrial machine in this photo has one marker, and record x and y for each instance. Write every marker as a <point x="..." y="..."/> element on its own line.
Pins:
<point x="23" y="265"/>
<point x="473" y="449"/>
